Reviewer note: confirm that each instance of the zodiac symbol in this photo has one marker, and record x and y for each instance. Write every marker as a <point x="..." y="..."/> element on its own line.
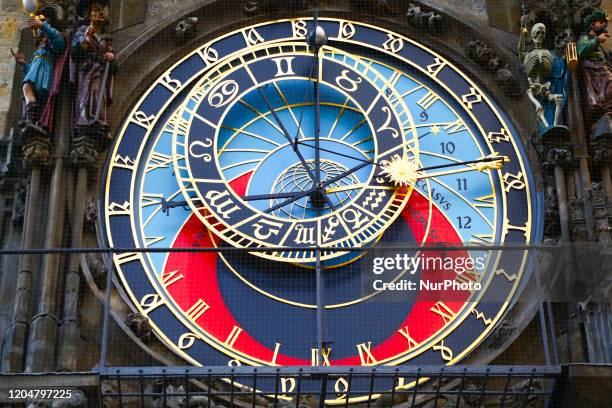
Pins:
<point x="330" y="230"/>
<point x="374" y="199"/>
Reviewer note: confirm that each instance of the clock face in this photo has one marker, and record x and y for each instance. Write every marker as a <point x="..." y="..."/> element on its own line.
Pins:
<point x="229" y="149"/>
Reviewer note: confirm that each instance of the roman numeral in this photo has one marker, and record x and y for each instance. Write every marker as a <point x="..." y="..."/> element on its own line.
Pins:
<point x="324" y="361"/>
<point x="411" y="342"/>
<point x="481" y="239"/>
<point x="158" y="161"/>
<point x="365" y="354"/>
<point x="151" y="199"/>
<point x="126" y="257"/>
<point x="197" y="310"/>
<point x="148" y="241"/>
<point x="468" y="276"/>
<point x="429" y="99"/>
<point x="233" y="336"/>
<point x="445" y="312"/>
<point x="275" y="355"/>
<point x="509" y="227"/>
<point x="455" y="127"/>
<point x="284" y="66"/>
<point x="170" y="278"/>
<point x="487" y="201"/>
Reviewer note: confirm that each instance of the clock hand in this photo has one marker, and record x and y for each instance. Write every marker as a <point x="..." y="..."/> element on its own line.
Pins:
<point x="270" y="196"/>
<point x="286" y="134"/>
<point x="318" y="194"/>
<point x="317" y="39"/>
<point x="492" y="162"/>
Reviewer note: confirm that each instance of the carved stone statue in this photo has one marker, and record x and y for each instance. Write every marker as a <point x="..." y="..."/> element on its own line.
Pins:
<point x="597" y="71"/>
<point x="92" y="70"/>
<point x="41" y="76"/>
<point x="539" y="64"/>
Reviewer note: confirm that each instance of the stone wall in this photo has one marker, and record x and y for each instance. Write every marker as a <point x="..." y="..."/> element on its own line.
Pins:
<point x="12" y="21"/>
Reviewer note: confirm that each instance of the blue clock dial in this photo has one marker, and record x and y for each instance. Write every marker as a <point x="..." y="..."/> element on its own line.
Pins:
<point x="223" y="151"/>
<point x="241" y="127"/>
<point x="251" y="144"/>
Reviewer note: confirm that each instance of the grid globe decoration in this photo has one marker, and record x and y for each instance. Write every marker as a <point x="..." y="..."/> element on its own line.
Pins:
<point x="296" y="179"/>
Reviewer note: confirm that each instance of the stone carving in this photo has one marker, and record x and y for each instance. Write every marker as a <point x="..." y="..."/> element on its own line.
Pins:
<point x="600" y="209"/>
<point x="501" y="334"/>
<point x="266" y="6"/>
<point x="91" y="215"/>
<point x="538" y="65"/>
<point x="482" y="54"/>
<point x="557" y="156"/>
<point x="36" y="150"/>
<point x="417" y="17"/>
<point x="597" y="70"/>
<point x="521" y="388"/>
<point x="98" y="271"/>
<point x="556" y="13"/>
<point x="577" y="219"/>
<point x="185" y="29"/>
<point x="93" y="67"/>
<point x="140" y="325"/>
<point x="85" y="149"/>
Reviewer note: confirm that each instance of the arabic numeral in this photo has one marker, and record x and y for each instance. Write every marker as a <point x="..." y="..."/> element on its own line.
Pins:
<point x="462" y="184"/>
<point x="448" y="148"/>
<point x="465" y="222"/>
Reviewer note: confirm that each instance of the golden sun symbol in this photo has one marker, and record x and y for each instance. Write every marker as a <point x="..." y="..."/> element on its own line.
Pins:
<point x="402" y="171"/>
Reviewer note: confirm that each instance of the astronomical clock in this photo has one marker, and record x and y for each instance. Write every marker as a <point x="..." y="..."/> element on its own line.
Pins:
<point x="278" y="151"/>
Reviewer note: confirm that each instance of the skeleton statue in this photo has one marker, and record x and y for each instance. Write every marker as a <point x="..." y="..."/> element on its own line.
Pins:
<point x="538" y="65"/>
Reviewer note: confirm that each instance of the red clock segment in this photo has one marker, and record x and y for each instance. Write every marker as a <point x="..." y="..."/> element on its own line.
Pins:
<point x="197" y="293"/>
